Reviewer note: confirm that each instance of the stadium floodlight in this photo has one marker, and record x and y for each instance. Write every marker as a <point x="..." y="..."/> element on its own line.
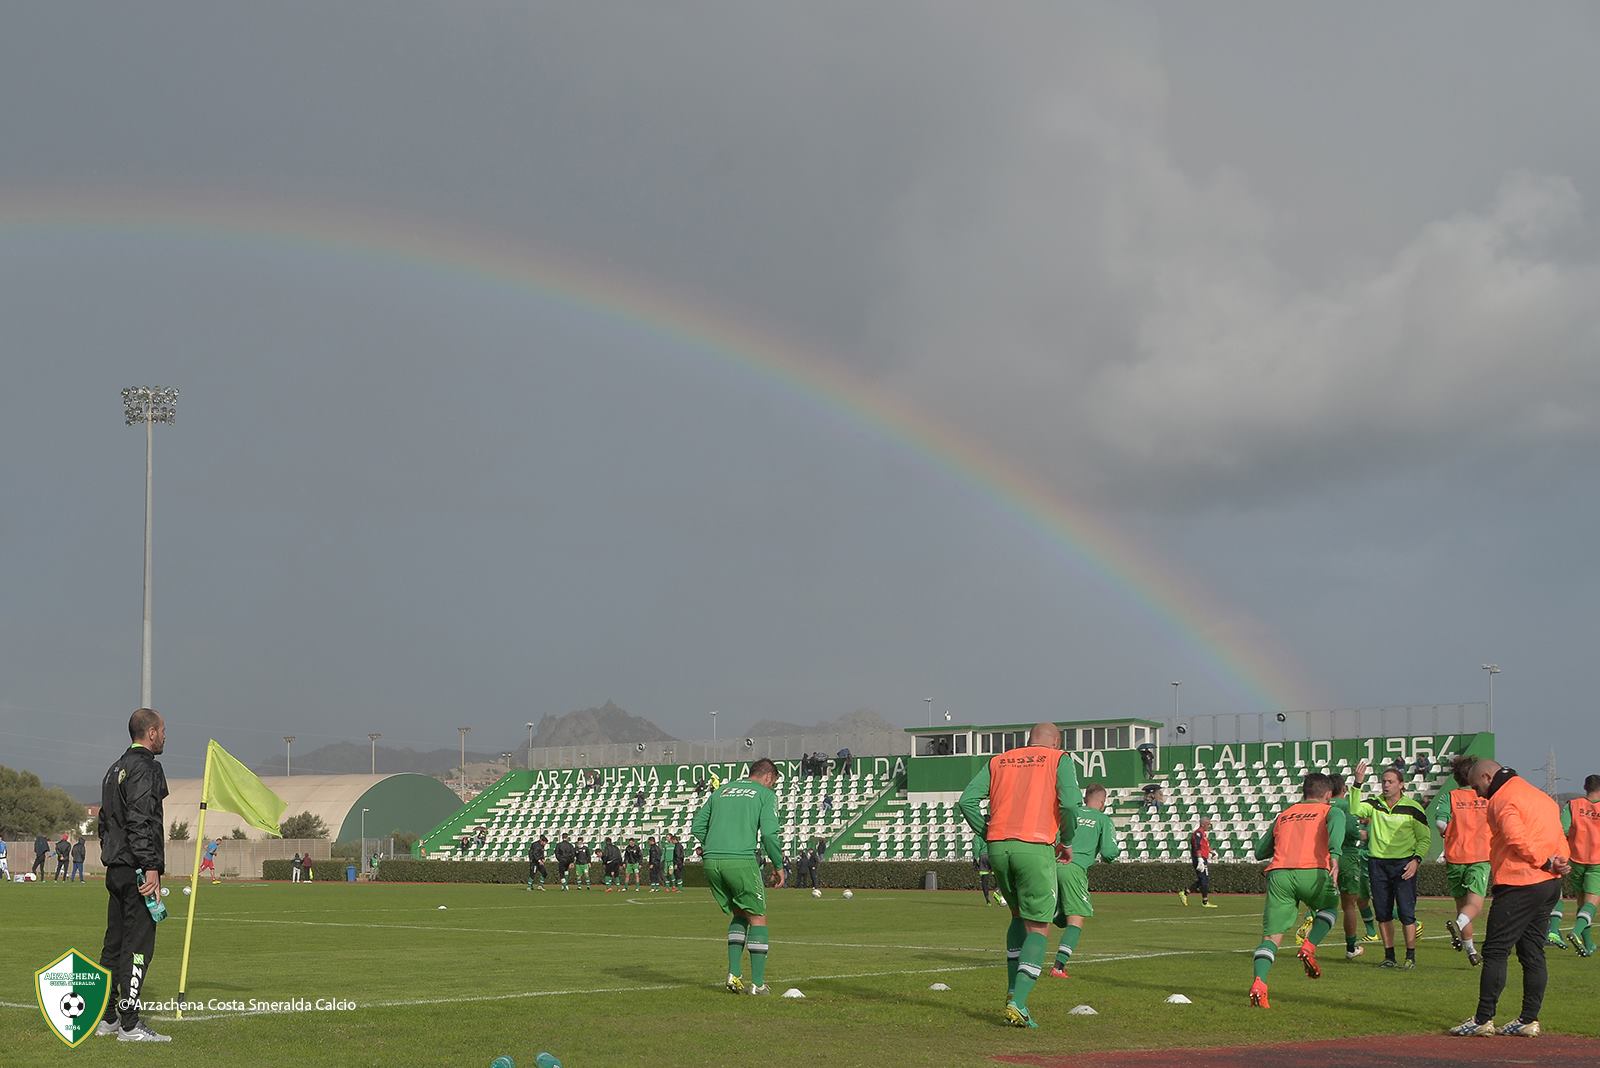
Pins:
<point x="373" y="738"/>
<point x="148" y="405"/>
<point x="464" y="731"/>
<point x="713" y="725"/>
<point x="1175" y="686"/>
<point x="929" y="702"/>
<point x="288" y="744"/>
<point x="1492" y="670"/>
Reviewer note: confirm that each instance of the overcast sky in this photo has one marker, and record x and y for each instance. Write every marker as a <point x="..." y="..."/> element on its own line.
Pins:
<point x="1302" y="300"/>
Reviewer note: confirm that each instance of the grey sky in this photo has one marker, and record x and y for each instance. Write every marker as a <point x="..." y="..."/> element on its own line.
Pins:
<point x="1304" y="300"/>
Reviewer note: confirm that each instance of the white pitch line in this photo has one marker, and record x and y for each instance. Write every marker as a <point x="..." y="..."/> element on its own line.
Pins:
<point x="399" y="1003"/>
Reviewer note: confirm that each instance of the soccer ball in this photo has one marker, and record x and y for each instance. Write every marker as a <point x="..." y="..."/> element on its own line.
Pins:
<point x="165" y="890"/>
<point x="816" y="893"/>
<point x="847" y="895"/>
<point x="186" y="891"/>
<point x="72" y="1006"/>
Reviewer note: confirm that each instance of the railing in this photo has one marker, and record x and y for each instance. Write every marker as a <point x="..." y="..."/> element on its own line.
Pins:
<point x="723" y="751"/>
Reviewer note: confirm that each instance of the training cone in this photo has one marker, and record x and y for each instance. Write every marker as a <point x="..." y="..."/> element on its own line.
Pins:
<point x="441" y="908"/>
<point x="938" y="986"/>
<point x="793" y="992"/>
<point x="1084" y="1010"/>
<point x="1178" y="999"/>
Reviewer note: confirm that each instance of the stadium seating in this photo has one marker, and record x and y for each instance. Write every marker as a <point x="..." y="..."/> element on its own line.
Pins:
<point x="809" y="807"/>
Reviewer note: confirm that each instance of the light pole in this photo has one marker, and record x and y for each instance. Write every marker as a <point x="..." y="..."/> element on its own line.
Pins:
<point x="373" y="738"/>
<point x="288" y="744"/>
<point x="530" y="746"/>
<point x="364" y="841"/>
<point x="1175" y="686"/>
<point x="929" y="702"/>
<point x="148" y="405"/>
<point x="1493" y="670"/>
<point x="463" y="731"/>
<point x="713" y="725"/>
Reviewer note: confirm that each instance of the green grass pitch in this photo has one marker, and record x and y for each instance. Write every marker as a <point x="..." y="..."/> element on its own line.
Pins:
<point x="636" y="979"/>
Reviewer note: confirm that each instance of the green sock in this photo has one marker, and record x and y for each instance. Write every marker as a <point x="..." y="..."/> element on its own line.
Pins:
<point x="756" y="943"/>
<point x="1320" y="927"/>
<point x="1349" y="943"/>
<point x="1581" y="927"/>
<point x="1069" y="943"/>
<point x="737" y="935"/>
<point x="1266" y="953"/>
<point x="1014" y="936"/>
<point x="1555" y="922"/>
<point x="1369" y="918"/>
<point x="1028" y="966"/>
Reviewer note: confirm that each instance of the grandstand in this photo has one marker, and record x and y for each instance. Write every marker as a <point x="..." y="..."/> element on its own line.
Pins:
<point x="645" y="800"/>
<point x="903" y="806"/>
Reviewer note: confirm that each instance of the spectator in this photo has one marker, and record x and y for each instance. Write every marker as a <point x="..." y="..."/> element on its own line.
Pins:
<point x="788" y="870"/>
<point x="638" y="799"/>
<point x="844" y="760"/>
<point x="1147" y="753"/>
<point x="295" y="867"/>
<point x="1155" y="798"/>
<point x="827" y="803"/>
<point x="78" y="854"/>
<point x="63" y="857"/>
<point x="699" y="786"/>
<point x="5" y="864"/>
<point x="41" y="849"/>
<point x="209" y="861"/>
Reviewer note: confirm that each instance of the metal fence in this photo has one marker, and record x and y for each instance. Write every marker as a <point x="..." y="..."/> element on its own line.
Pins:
<point x="1385" y="722"/>
<point x="722" y="751"/>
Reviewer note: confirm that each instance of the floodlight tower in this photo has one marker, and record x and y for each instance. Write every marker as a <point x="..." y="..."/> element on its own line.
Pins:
<point x="148" y="405"/>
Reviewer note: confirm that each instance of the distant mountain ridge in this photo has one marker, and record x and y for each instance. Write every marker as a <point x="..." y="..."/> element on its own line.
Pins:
<point x="606" y="725"/>
<point x="355" y="758"/>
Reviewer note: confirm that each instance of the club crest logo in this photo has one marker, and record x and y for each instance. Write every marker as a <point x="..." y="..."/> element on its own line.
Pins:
<point x="73" y="992"/>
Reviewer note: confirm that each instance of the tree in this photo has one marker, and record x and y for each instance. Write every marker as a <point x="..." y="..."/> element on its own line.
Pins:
<point x="179" y="831"/>
<point x="305" y="825"/>
<point x="29" y="807"/>
<point x="404" y="840"/>
<point x="238" y="834"/>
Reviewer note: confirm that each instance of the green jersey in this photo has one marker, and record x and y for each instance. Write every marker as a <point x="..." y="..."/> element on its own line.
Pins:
<point x="1352" y="828"/>
<point x="1394" y="832"/>
<point x="1095" y="837"/>
<point x="735" y="818"/>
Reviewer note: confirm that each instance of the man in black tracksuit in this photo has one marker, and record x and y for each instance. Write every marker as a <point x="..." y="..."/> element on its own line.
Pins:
<point x="611" y="858"/>
<point x="132" y="841"/>
<point x="632" y="857"/>
<point x="653" y="853"/>
<point x="41" y="849"/>
<point x="536" y="868"/>
<point x="564" y="857"/>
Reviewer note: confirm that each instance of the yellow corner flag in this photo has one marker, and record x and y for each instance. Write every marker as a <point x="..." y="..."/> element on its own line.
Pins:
<point x="232" y="787"/>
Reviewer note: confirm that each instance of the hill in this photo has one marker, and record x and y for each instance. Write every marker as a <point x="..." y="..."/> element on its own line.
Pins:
<point x="355" y="758"/>
<point x="605" y="725"/>
<point x="862" y="719"/>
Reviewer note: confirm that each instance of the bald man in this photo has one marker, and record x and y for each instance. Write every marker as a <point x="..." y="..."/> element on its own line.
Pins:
<point x="1033" y="793"/>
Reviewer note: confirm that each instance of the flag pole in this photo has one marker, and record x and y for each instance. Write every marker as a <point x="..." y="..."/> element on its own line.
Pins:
<point x="194" y="882"/>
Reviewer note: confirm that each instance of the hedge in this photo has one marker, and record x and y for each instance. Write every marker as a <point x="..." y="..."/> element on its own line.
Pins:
<point x="1158" y="877"/>
<point x="327" y="871"/>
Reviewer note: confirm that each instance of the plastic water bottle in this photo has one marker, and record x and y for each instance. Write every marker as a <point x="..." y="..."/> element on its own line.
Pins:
<point x="546" y="1060"/>
<point x="502" y="1061"/>
<point x="158" y="911"/>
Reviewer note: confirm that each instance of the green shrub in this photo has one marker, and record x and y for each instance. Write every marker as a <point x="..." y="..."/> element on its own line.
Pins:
<point x="327" y="871"/>
<point x="1159" y="877"/>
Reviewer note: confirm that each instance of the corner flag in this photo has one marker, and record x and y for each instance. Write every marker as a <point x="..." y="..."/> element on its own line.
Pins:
<point x="232" y="787"/>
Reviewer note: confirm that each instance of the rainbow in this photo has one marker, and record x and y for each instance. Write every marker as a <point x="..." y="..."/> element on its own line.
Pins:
<point x="1241" y="655"/>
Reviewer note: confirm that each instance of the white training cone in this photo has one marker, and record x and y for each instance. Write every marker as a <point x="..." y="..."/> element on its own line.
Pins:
<point x="1084" y="1010"/>
<point x="1179" y="999"/>
<point x="441" y="908"/>
<point x="938" y="986"/>
<point x="793" y="992"/>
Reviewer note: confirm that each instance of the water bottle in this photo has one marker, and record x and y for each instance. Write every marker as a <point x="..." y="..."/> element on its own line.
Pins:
<point x="158" y="911"/>
<point x="502" y="1061"/>
<point x="546" y="1060"/>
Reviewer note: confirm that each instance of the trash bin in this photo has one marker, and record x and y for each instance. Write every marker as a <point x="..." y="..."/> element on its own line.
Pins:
<point x="350" y="874"/>
<point x="930" y="880"/>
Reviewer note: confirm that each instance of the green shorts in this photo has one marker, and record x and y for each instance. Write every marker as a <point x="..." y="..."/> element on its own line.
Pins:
<point x="1464" y="879"/>
<point x="1584" y="879"/>
<point x="1355" y="877"/>
<point x="1072" y="884"/>
<point x="632" y="869"/>
<point x="736" y="884"/>
<point x="1026" y="874"/>
<point x="1288" y="889"/>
